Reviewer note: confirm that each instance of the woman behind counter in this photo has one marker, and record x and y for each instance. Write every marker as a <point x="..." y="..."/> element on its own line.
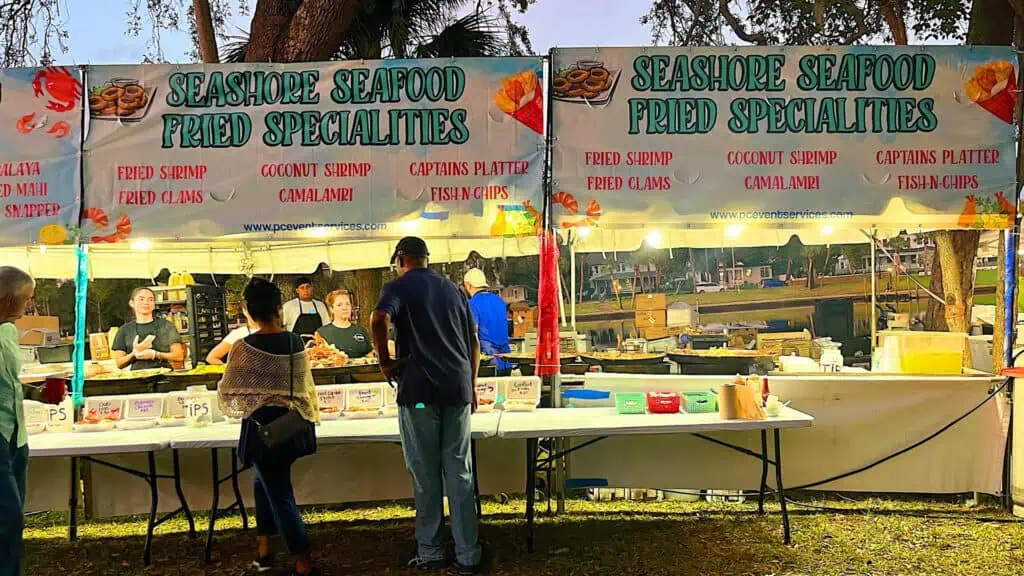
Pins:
<point x="147" y="342"/>
<point x="352" y="339"/>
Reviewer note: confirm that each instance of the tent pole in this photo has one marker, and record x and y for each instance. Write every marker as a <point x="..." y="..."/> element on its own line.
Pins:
<point x="81" y="298"/>
<point x="572" y="282"/>
<point x="874" y="291"/>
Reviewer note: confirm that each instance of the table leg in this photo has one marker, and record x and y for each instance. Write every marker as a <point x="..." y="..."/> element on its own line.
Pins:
<point x="531" y="488"/>
<point x="153" y="502"/>
<point x="782" y="491"/>
<point x="73" y="502"/>
<point x="764" y="472"/>
<point x="238" y="493"/>
<point x="476" y="480"/>
<point x="181" y="495"/>
<point x="215" y="465"/>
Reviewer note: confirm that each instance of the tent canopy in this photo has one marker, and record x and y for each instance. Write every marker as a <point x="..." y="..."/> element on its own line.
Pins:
<point x="146" y="261"/>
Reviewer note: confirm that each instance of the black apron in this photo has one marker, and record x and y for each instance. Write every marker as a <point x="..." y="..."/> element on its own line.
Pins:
<point x="308" y="323"/>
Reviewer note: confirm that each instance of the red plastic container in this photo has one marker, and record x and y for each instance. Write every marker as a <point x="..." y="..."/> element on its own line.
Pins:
<point x="663" y="402"/>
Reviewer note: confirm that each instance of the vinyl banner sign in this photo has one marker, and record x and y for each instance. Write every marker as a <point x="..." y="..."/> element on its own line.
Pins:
<point x="40" y="140"/>
<point x="786" y="136"/>
<point x="339" y="149"/>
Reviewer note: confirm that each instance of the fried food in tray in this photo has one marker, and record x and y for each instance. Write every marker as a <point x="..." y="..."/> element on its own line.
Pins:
<point x="130" y="374"/>
<point x="321" y="354"/>
<point x="122" y="99"/>
<point x="616" y="357"/>
<point x="585" y="81"/>
<point x="721" y="353"/>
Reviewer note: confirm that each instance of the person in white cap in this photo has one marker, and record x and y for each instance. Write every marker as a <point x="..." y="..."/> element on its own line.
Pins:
<point x="490" y="314"/>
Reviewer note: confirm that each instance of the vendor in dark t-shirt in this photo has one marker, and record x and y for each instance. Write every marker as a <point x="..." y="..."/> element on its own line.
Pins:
<point x="147" y="342"/>
<point x="352" y="339"/>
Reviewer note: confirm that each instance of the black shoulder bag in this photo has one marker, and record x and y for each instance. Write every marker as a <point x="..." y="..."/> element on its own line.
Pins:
<point x="289" y="428"/>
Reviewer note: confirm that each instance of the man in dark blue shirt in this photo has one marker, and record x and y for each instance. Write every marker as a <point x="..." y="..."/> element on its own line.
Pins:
<point x="438" y="357"/>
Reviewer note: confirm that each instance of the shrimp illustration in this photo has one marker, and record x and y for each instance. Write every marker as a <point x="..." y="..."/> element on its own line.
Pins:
<point x="1004" y="205"/>
<point x="969" y="216"/>
<point x="27" y="123"/>
<point x="60" y="129"/>
<point x="97" y="216"/>
<point x="123" y="229"/>
<point x="567" y="201"/>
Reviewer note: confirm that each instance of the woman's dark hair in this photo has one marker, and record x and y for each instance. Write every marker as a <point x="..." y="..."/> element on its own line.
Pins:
<point x="262" y="300"/>
<point x="137" y="289"/>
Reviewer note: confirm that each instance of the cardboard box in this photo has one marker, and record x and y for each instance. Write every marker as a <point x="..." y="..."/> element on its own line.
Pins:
<point x="651" y="302"/>
<point x="651" y="318"/>
<point x="99" y="347"/>
<point x="656" y="332"/>
<point x="32" y="330"/>
<point x="524" y="320"/>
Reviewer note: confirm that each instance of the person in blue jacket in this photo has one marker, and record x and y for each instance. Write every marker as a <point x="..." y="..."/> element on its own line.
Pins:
<point x="491" y="315"/>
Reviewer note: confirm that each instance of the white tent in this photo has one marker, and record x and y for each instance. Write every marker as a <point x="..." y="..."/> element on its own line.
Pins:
<point x="143" y="260"/>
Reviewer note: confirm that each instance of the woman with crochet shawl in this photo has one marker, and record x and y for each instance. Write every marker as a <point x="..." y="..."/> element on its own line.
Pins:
<point x="267" y="375"/>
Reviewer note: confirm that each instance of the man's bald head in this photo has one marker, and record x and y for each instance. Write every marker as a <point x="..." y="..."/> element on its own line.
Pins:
<point x="16" y="288"/>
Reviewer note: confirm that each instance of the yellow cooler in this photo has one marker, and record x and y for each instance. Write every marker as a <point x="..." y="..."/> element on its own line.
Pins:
<point x="927" y="353"/>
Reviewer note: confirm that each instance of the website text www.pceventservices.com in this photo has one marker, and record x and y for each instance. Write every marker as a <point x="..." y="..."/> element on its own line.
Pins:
<point x="326" y="227"/>
<point x="780" y="215"/>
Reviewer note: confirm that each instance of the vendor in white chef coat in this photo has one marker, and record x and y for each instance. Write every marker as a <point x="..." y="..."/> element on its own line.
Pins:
<point x="304" y="315"/>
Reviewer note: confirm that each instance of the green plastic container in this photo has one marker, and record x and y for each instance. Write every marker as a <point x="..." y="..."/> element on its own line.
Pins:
<point x="630" y="402"/>
<point x="700" y="402"/>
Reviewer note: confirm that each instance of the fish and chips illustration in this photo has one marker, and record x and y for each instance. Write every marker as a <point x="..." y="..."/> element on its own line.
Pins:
<point x="992" y="87"/>
<point x="522" y="97"/>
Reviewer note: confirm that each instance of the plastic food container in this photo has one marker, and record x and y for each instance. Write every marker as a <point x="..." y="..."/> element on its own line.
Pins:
<point x="587" y="398"/>
<point x="522" y="394"/>
<point x="37" y="416"/>
<point x="331" y="400"/>
<point x="174" y="409"/>
<point x="363" y="400"/>
<point x="486" y="394"/>
<point x="663" y="402"/>
<point x="630" y="402"/>
<point x="929" y="353"/>
<point x="144" y="406"/>
<point x="102" y="408"/>
<point x="700" y="402"/>
<point x="390" y="400"/>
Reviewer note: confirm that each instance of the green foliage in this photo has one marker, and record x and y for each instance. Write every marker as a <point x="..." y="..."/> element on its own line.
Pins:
<point x="799" y="22"/>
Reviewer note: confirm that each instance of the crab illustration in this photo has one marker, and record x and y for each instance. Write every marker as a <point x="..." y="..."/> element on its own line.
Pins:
<point x="64" y="91"/>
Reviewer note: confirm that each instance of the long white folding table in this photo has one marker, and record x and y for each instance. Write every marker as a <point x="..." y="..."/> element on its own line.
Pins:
<point x="342" y="431"/>
<point x="596" y="424"/>
<point x="90" y="446"/>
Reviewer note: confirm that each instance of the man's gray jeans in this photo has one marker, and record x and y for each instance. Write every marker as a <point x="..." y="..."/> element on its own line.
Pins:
<point x="436" y="445"/>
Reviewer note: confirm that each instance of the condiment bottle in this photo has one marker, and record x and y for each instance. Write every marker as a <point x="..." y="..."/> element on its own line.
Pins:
<point x="765" y="392"/>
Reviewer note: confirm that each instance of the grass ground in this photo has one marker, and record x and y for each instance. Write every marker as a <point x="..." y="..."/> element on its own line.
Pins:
<point x="870" y="536"/>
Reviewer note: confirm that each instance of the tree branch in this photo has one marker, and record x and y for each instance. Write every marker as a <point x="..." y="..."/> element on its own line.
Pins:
<point x="851" y="8"/>
<point x="738" y="28"/>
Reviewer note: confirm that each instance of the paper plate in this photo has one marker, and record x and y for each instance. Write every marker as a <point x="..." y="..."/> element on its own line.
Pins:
<point x="135" y="424"/>
<point x="172" y="422"/>
<point x="98" y="427"/>
<point x="324" y="416"/>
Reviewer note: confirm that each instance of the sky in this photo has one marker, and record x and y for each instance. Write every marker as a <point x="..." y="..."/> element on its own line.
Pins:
<point x="97" y="29"/>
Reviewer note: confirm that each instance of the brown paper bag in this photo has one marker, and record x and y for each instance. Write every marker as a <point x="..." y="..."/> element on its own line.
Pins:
<point x="748" y="404"/>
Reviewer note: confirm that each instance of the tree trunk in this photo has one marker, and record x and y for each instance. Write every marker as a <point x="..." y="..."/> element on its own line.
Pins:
<point x="956" y="251"/>
<point x="270" y="19"/>
<point x="892" y="13"/>
<point x="811" y="284"/>
<point x="935" y="319"/>
<point x="998" y="337"/>
<point x="991" y="23"/>
<point x="204" y="28"/>
<point x="317" y="30"/>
